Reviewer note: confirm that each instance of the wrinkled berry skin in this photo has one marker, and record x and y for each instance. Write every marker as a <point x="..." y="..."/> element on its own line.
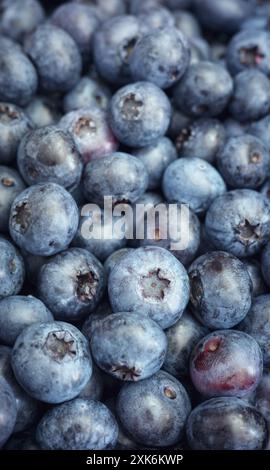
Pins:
<point x="54" y="75"/>
<point x="254" y="270"/>
<point x="106" y="241"/>
<point x="204" y="90"/>
<point x="152" y="282"/>
<point x="239" y="222"/>
<point x="71" y="284"/>
<point x="78" y="425"/>
<point x="139" y="113"/>
<point x="11" y="184"/>
<point x="226" y="362"/>
<point x="203" y="138"/>
<point x="251" y="96"/>
<point x="12" y="271"/>
<point x="113" y="44"/>
<point x="216" y="302"/>
<point x="226" y="424"/>
<point x="150" y="59"/>
<point x="8" y="411"/>
<point x="90" y="131"/>
<point x="28" y="409"/>
<point x="257" y="324"/>
<point x="154" y="412"/>
<point x="119" y="175"/>
<point x="244" y="162"/>
<point x="18" y="77"/>
<point x="20" y="17"/>
<point x="224" y="15"/>
<point x="192" y="181"/>
<point x="43" y="219"/>
<point x="14" y="124"/>
<point x="156" y="158"/>
<point x="49" y="154"/>
<point x="182" y="338"/>
<point x="249" y="50"/>
<point x="17" y="312"/>
<point x="183" y="226"/>
<point x="88" y="93"/>
<point x="51" y="361"/>
<point x="128" y="346"/>
<point x="81" y="22"/>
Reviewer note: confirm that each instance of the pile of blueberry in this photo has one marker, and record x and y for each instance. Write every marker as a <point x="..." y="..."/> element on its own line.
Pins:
<point x="128" y="344"/>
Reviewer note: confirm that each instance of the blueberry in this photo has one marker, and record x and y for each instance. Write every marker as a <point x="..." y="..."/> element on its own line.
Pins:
<point x="8" y="411"/>
<point x="204" y="90"/>
<point x="254" y="270"/>
<point x="226" y="362"/>
<point x="265" y="264"/>
<point x="184" y="228"/>
<point x="150" y="59"/>
<point x="17" y="312"/>
<point x="14" y="124"/>
<point x="182" y="338"/>
<point x="187" y="23"/>
<point x="139" y="114"/>
<point x="51" y="361"/>
<point x="150" y="281"/>
<point x="12" y="269"/>
<point x="88" y="93"/>
<point x="155" y="17"/>
<point x="28" y="409"/>
<point x="119" y="175"/>
<point x="20" y="17"/>
<point x="216" y="302"/>
<point x="203" y="138"/>
<point x="234" y="128"/>
<point x="80" y="424"/>
<point x="81" y="22"/>
<point x="154" y="412"/>
<point x="226" y="424"/>
<point x="102" y="240"/>
<point x="18" y="77"/>
<point x="224" y="15"/>
<point x="102" y="311"/>
<point x="244" y="161"/>
<point x="199" y="50"/>
<point x="90" y="131"/>
<point x="58" y="67"/>
<point x="239" y="222"/>
<point x="107" y="9"/>
<point x="156" y="158"/>
<point x="261" y="130"/>
<point x="249" y="50"/>
<point x="257" y="323"/>
<point x="71" y="284"/>
<point x="251" y="96"/>
<point x="43" y="219"/>
<point x="261" y="397"/>
<point x="43" y="111"/>
<point x="114" y="42"/>
<point x="49" y="154"/>
<point x="128" y="346"/>
<point x="93" y="390"/>
<point x="192" y="181"/>
<point x="11" y="184"/>
<point x="115" y="257"/>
